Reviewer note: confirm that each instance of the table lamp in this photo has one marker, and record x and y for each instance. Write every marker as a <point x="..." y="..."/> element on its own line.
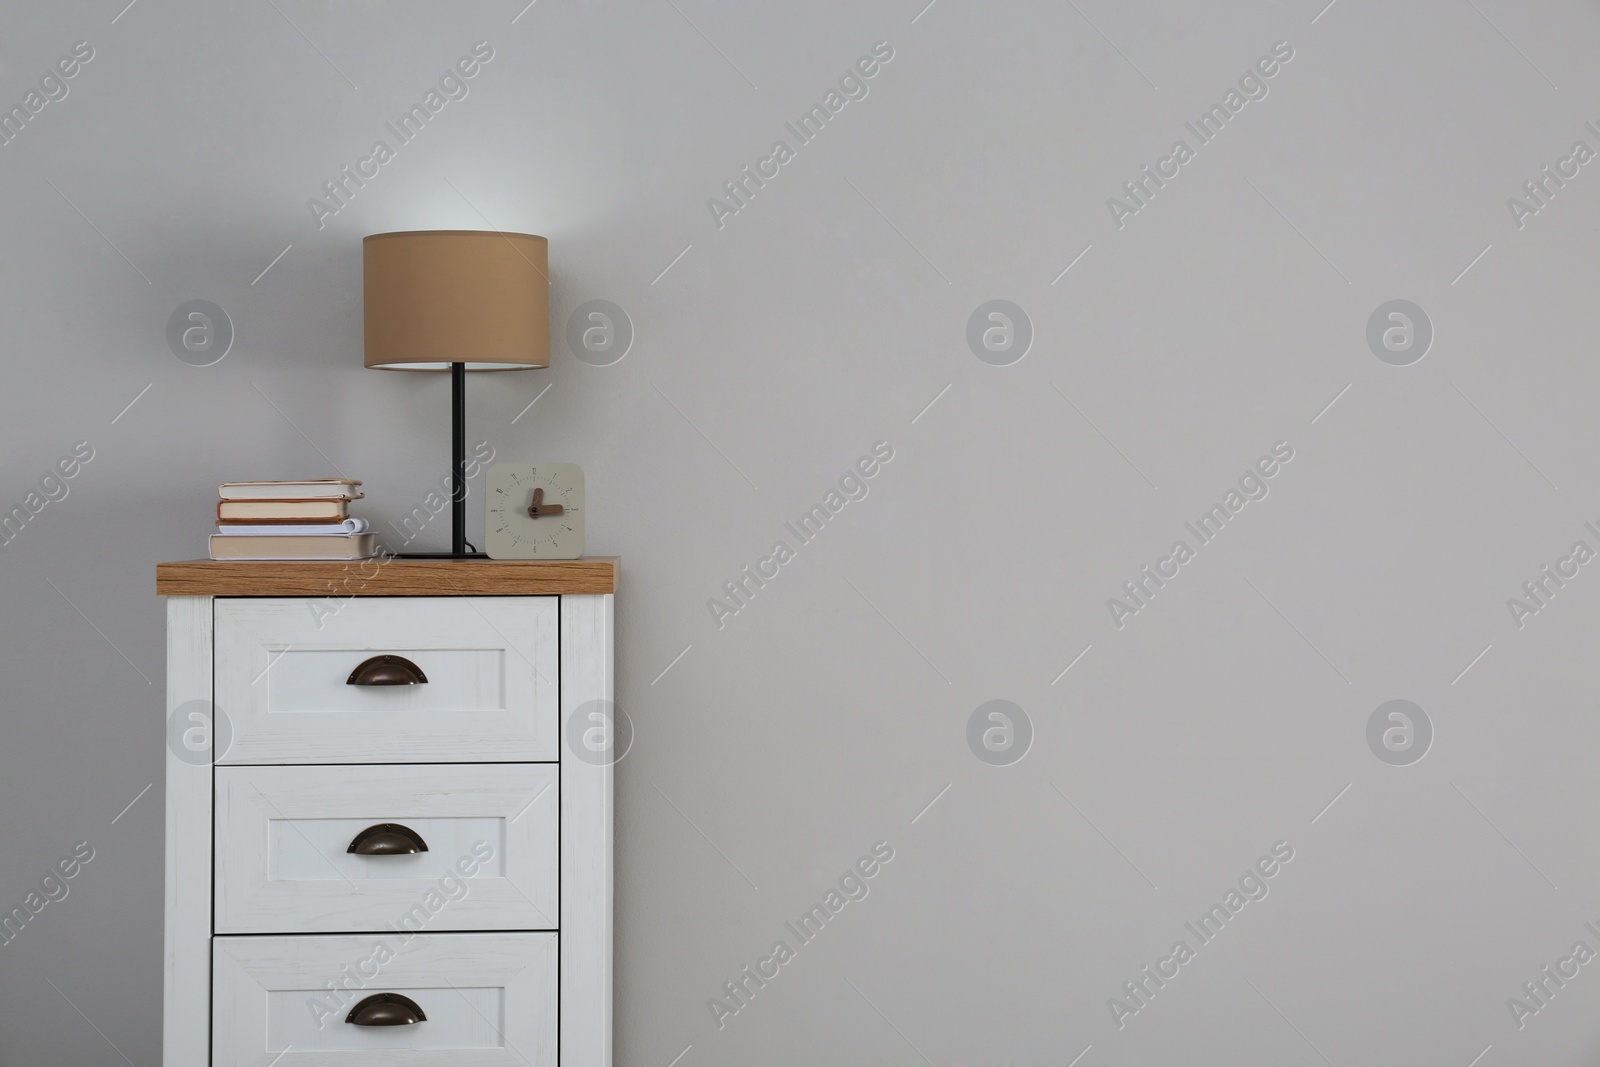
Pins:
<point x="456" y="300"/>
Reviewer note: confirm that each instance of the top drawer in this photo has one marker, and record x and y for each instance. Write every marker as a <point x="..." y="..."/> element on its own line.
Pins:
<point x="285" y="686"/>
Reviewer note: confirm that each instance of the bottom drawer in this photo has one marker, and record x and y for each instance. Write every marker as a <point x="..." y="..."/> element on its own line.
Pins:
<point x="488" y="1000"/>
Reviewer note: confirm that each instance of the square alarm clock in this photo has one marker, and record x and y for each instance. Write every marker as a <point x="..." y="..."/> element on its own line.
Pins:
<point x="533" y="511"/>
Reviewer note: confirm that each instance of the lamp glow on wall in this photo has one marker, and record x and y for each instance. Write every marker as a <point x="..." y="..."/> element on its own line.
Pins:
<point x="457" y="301"/>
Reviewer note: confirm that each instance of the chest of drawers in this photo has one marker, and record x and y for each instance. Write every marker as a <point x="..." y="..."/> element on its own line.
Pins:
<point x="388" y="819"/>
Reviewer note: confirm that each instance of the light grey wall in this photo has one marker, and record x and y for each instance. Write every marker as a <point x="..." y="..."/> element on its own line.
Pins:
<point x="1167" y="755"/>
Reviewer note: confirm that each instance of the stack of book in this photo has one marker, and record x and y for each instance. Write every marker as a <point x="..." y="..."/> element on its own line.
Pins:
<point x="290" y="520"/>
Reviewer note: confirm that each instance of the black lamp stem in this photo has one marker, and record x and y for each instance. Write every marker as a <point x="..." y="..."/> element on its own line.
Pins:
<point x="458" y="473"/>
<point x="458" y="459"/>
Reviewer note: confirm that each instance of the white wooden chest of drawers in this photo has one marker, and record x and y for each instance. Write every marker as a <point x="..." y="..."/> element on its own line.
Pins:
<point x="381" y="848"/>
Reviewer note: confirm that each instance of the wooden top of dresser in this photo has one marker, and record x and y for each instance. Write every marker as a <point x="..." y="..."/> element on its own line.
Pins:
<point x="392" y="577"/>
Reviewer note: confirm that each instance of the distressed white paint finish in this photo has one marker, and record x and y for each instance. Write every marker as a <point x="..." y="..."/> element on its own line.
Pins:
<point x="283" y="667"/>
<point x="586" y="685"/>
<point x="282" y="835"/>
<point x="494" y="996"/>
<point x="490" y="1000"/>
<point x="187" y="963"/>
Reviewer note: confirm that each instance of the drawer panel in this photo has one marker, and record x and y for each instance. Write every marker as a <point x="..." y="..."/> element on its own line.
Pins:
<point x="284" y="666"/>
<point x="489" y="1000"/>
<point x="282" y="839"/>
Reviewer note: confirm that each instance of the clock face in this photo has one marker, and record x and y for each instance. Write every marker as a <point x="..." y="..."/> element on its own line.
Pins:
<point x="534" y="511"/>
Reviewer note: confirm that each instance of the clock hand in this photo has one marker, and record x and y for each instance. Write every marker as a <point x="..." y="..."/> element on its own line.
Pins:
<point x="538" y="507"/>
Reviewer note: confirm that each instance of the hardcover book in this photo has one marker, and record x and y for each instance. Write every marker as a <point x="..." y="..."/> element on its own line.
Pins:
<point x="300" y="512"/>
<point x="315" y="489"/>
<point x="310" y="546"/>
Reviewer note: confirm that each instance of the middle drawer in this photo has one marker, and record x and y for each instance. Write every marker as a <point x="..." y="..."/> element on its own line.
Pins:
<point x="419" y="847"/>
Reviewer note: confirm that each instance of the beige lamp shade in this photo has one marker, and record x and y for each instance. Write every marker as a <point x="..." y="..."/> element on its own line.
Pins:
<point x="437" y="297"/>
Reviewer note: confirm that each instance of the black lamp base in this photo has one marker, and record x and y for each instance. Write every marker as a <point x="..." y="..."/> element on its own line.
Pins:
<point x="458" y="474"/>
<point x="440" y="555"/>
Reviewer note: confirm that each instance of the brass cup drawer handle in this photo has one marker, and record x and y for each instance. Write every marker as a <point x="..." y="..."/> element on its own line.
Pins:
<point x="386" y="1009"/>
<point x="387" y="670"/>
<point x="388" y="839"/>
